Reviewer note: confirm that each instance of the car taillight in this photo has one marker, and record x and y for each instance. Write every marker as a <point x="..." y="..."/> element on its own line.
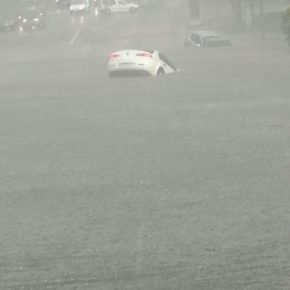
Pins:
<point x="144" y="54"/>
<point x="114" y="55"/>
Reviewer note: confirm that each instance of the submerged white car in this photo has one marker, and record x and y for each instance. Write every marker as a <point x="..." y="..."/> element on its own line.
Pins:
<point x="139" y="62"/>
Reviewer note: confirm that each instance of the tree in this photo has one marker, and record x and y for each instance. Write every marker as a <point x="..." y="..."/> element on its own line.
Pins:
<point x="194" y="9"/>
<point x="285" y="24"/>
<point x="237" y="9"/>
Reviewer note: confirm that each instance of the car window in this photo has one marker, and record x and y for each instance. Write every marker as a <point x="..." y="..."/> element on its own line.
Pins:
<point x="195" y="38"/>
<point x="148" y="50"/>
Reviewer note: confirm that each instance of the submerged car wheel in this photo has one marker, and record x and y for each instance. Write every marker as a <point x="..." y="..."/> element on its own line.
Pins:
<point x="160" y="71"/>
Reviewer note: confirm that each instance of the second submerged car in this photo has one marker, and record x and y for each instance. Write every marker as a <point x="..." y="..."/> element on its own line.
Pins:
<point x="205" y="38"/>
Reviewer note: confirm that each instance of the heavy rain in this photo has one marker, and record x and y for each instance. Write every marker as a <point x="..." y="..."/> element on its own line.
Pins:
<point x="176" y="180"/>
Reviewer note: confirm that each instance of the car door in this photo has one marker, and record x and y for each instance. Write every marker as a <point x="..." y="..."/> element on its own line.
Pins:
<point x="195" y="39"/>
<point x="166" y="64"/>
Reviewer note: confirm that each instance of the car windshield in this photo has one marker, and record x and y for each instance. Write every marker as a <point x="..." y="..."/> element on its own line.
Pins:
<point x="167" y="61"/>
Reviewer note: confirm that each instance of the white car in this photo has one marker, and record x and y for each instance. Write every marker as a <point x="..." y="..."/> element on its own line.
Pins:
<point x="115" y="6"/>
<point x="79" y="6"/>
<point x="139" y="62"/>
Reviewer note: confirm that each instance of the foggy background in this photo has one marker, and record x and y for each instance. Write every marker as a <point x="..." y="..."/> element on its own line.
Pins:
<point x="173" y="182"/>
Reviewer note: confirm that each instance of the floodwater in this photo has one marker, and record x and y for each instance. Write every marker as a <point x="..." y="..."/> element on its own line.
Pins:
<point x="174" y="182"/>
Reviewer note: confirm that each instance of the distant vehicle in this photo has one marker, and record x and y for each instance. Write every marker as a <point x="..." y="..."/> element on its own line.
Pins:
<point x="62" y="3"/>
<point x="79" y="6"/>
<point x="205" y="38"/>
<point x="139" y="62"/>
<point x="31" y="19"/>
<point x="9" y="24"/>
<point x="115" y="6"/>
<point x="149" y="4"/>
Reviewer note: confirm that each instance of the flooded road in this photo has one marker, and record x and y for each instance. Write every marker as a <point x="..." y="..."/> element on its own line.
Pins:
<point x="175" y="182"/>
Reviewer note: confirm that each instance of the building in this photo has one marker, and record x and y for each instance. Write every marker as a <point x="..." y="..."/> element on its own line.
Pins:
<point x="242" y="13"/>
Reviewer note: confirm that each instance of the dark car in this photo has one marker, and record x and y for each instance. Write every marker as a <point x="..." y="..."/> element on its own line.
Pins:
<point x="31" y="19"/>
<point x="206" y="38"/>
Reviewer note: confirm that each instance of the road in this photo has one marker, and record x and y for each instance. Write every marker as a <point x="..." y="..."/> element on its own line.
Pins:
<point x="175" y="182"/>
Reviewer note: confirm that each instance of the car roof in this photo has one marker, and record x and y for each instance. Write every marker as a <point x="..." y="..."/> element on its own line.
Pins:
<point x="205" y="33"/>
<point x="135" y="51"/>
